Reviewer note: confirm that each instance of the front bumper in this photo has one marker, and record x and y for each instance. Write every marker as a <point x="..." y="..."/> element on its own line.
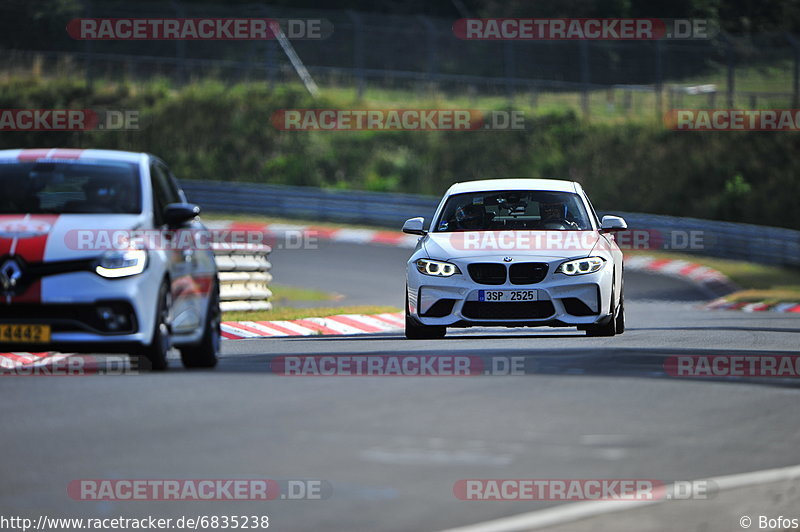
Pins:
<point x="71" y="305"/>
<point x="562" y="300"/>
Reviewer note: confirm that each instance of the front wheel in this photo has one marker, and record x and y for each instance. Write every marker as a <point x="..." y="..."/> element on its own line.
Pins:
<point x="621" y="318"/>
<point x="614" y="326"/>
<point x="204" y="354"/>
<point x="417" y="331"/>
<point x="154" y="355"/>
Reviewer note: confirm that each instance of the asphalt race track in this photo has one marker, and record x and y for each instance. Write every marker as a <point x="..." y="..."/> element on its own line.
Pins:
<point x="393" y="447"/>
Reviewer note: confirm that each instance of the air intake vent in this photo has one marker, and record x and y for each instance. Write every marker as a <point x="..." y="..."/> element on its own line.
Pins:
<point x="527" y="272"/>
<point x="507" y="311"/>
<point x="488" y="273"/>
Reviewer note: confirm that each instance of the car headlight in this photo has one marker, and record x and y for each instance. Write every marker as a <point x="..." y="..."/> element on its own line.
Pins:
<point x="437" y="268"/>
<point x="121" y="263"/>
<point x="581" y="266"/>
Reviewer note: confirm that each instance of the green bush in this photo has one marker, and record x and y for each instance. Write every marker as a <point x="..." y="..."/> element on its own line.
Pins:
<point x="214" y="131"/>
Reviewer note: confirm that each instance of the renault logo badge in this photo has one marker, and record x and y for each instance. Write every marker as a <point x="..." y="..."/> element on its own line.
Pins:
<point x="10" y="273"/>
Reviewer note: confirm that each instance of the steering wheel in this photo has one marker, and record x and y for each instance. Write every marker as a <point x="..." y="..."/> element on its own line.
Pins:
<point x="561" y="225"/>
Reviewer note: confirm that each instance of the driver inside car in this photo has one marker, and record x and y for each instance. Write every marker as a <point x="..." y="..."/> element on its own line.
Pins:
<point x="554" y="216"/>
<point x="471" y="218"/>
<point x="106" y="195"/>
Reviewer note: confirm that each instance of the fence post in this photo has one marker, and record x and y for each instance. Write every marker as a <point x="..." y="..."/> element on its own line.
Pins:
<point x="510" y="70"/>
<point x="430" y="41"/>
<point x="796" y="71"/>
<point x="270" y="54"/>
<point x="659" y="49"/>
<point x="730" y="55"/>
<point x="180" y="44"/>
<point x="88" y="46"/>
<point x="585" y="77"/>
<point x="358" y="50"/>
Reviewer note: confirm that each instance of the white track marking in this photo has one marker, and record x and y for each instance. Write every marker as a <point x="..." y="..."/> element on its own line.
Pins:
<point x="582" y="510"/>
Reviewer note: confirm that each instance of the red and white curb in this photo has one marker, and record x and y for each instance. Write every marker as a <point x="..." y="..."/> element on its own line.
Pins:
<point x="759" y="306"/>
<point x="343" y="324"/>
<point x="712" y="281"/>
<point x="11" y="361"/>
<point x="352" y="236"/>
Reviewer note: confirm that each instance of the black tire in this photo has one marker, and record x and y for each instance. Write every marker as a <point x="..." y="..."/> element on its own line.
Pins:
<point x="610" y="328"/>
<point x="204" y="354"/>
<point x="154" y="355"/>
<point x="621" y="317"/>
<point x="417" y="331"/>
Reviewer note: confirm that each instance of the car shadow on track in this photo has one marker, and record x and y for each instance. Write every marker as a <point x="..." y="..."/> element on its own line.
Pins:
<point x="760" y="367"/>
<point x="755" y="329"/>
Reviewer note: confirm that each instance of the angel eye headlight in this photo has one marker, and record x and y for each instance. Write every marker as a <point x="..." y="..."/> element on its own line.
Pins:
<point x="582" y="266"/>
<point x="437" y="268"/>
<point x="121" y="263"/>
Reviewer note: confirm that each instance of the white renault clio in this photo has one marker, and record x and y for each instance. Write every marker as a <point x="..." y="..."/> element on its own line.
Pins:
<point x="515" y="253"/>
<point x="90" y="259"/>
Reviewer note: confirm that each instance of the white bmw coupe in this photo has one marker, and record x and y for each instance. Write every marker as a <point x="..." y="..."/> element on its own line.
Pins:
<point x="515" y="253"/>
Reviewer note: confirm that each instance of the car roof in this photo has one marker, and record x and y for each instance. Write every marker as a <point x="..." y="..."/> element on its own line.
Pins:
<point x="488" y="185"/>
<point x="64" y="154"/>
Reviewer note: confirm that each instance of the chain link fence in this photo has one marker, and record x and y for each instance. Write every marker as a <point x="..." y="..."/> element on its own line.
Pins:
<point x="366" y="51"/>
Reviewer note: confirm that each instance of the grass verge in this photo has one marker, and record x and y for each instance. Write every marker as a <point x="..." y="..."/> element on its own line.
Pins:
<point x="758" y="282"/>
<point x="282" y="294"/>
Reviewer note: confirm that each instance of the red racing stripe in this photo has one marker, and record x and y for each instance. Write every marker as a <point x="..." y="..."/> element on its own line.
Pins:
<point x="67" y="153"/>
<point x="49" y="153"/>
<point x="32" y="250"/>
<point x="33" y="155"/>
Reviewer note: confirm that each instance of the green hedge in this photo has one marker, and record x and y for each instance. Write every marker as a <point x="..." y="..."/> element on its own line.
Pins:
<point x="213" y="131"/>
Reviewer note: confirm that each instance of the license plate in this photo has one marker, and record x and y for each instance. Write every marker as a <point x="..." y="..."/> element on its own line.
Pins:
<point x="508" y="295"/>
<point x="25" y="333"/>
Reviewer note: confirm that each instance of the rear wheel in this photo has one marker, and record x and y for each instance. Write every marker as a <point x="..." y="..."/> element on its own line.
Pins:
<point x="154" y="355"/>
<point x="204" y="354"/>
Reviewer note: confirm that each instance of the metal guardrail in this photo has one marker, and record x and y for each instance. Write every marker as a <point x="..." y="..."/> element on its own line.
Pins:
<point x="754" y="243"/>
<point x="371" y="208"/>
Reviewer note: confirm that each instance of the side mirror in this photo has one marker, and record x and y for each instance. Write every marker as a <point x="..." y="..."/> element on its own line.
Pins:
<point x="177" y="214"/>
<point x="415" y="226"/>
<point x="610" y="224"/>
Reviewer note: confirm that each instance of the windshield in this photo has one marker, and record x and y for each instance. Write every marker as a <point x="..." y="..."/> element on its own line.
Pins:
<point x="514" y="210"/>
<point x="69" y="188"/>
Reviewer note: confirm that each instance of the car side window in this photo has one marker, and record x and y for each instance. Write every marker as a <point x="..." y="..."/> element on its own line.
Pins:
<point x="162" y="195"/>
<point x="173" y="182"/>
<point x="594" y="212"/>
